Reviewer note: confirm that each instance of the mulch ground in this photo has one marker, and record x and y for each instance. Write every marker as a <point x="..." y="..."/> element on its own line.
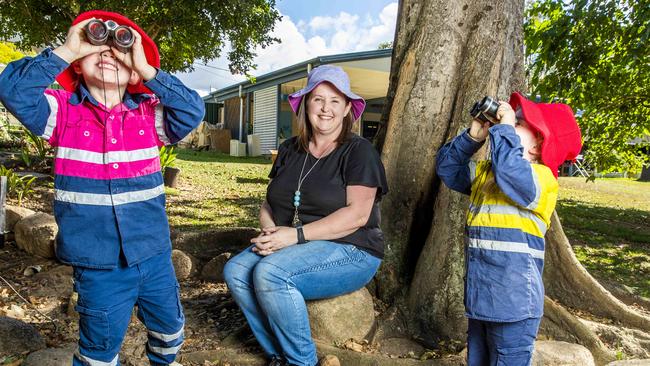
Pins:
<point x="211" y="314"/>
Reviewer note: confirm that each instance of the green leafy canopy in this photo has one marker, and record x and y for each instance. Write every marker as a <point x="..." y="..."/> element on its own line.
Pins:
<point x="593" y="55"/>
<point x="184" y="31"/>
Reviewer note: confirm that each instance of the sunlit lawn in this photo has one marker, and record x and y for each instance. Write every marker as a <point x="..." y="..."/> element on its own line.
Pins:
<point x="216" y="190"/>
<point x="608" y="224"/>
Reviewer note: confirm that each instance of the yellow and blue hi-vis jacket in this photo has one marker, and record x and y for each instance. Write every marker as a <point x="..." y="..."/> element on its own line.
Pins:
<point x="511" y="202"/>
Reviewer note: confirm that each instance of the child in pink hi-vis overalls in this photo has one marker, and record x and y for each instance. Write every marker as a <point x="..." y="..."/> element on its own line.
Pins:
<point x="109" y="198"/>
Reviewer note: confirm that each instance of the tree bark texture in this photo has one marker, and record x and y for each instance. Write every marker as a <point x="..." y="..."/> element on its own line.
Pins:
<point x="569" y="282"/>
<point x="645" y="171"/>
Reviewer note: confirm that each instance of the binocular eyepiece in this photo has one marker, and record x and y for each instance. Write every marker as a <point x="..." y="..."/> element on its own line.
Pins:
<point x="485" y="108"/>
<point x="100" y="33"/>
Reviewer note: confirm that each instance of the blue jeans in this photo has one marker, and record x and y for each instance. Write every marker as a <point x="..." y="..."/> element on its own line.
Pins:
<point x="106" y="300"/>
<point x="501" y="344"/>
<point x="271" y="291"/>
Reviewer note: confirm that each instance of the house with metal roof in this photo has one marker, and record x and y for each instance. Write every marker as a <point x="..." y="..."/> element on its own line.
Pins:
<point x="261" y="108"/>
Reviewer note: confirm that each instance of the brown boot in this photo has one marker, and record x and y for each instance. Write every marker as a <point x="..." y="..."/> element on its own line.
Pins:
<point x="329" y="360"/>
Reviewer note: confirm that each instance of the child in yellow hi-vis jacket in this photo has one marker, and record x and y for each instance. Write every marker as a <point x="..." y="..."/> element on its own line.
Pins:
<point x="512" y="197"/>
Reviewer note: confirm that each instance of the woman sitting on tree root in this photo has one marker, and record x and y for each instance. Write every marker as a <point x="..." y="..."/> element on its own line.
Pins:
<point x="320" y="222"/>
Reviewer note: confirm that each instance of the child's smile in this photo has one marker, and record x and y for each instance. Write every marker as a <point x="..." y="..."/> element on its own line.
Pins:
<point x="106" y="64"/>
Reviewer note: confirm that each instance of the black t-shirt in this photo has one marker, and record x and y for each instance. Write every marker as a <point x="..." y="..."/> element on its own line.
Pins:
<point x="323" y="191"/>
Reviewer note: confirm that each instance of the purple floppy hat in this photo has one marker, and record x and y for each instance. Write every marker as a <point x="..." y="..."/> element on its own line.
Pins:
<point x="335" y="76"/>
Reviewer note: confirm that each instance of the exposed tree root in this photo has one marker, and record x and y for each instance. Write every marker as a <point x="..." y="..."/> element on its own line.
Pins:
<point x="633" y="343"/>
<point x="562" y="325"/>
<point x="627" y="296"/>
<point x="569" y="282"/>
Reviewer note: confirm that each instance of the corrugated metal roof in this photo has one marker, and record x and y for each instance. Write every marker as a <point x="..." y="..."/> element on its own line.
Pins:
<point x="292" y="72"/>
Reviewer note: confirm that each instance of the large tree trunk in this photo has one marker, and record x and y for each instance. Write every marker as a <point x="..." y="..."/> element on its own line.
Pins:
<point x="645" y="172"/>
<point x="448" y="54"/>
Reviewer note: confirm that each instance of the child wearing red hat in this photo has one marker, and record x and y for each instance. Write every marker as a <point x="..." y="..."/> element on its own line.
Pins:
<point x="512" y="198"/>
<point x="107" y="124"/>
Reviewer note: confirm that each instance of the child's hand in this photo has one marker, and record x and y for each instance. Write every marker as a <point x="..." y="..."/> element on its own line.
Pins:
<point x="478" y="131"/>
<point x="76" y="46"/>
<point x="505" y="114"/>
<point x="136" y="59"/>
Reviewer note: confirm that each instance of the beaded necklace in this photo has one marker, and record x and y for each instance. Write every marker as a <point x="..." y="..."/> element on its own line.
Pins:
<point x="296" y="198"/>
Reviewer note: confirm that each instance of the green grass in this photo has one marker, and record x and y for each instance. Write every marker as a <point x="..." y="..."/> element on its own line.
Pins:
<point x="608" y="225"/>
<point x="217" y="190"/>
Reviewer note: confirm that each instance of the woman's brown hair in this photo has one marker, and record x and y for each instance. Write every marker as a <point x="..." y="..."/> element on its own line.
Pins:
<point x="305" y="131"/>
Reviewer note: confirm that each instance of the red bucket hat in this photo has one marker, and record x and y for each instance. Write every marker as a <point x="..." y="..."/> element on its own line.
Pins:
<point x="68" y="78"/>
<point x="555" y="122"/>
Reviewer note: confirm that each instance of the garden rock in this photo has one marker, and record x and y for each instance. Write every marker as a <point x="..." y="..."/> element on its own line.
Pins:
<point x="55" y="281"/>
<point x="183" y="264"/>
<point x="401" y="347"/>
<point x="549" y="353"/>
<point x="15" y="214"/>
<point x="17" y="337"/>
<point x="343" y="317"/>
<point x="645" y="362"/>
<point x="206" y="245"/>
<point x="51" y="356"/>
<point x="213" y="271"/>
<point x="36" y="234"/>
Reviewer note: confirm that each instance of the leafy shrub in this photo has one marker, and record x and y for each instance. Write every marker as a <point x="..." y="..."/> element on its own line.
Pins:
<point x="17" y="186"/>
<point x="32" y="147"/>
<point x="167" y="157"/>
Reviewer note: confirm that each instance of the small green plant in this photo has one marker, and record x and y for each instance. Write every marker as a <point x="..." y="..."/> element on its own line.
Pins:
<point x="37" y="144"/>
<point x="26" y="157"/>
<point x="17" y="186"/>
<point x="33" y="146"/>
<point x="167" y="157"/>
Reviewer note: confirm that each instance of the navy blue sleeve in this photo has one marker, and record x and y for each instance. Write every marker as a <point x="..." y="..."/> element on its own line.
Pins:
<point x="182" y="108"/>
<point x="22" y="91"/>
<point x="513" y="174"/>
<point x="452" y="162"/>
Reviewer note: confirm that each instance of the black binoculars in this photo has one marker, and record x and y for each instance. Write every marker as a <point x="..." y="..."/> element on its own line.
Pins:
<point x="487" y="107"/>
<point x="100" y="33"/>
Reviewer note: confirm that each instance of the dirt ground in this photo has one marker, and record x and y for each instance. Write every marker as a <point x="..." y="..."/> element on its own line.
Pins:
<point x="211" y="315"/>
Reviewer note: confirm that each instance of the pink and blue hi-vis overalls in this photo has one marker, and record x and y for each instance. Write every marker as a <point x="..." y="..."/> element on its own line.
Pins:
<point x="109" y="200"/>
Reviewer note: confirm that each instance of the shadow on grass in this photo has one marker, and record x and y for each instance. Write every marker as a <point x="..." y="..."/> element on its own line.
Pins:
<point x="239" y="212"/>
<point x="613" y="244"/>
<point x="264" y="181"/>
<point x="217" y="157"/>
<point x="599" y="225"/>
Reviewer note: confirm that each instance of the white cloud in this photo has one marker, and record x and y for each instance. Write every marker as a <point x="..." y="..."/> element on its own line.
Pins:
<point x="342" y="21"/>
<point x="302" y="26"/>
<point x="304" y="40"/>
<point x="382" y="32"/>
